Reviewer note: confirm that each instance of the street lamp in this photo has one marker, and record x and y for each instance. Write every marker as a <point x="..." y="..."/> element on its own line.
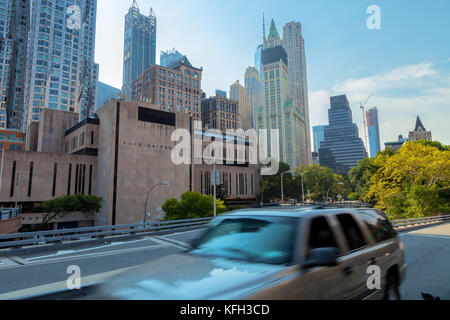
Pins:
<point x="282" y="191"/>
<point x="148" y="193"/>
<point x="339" y="183"/>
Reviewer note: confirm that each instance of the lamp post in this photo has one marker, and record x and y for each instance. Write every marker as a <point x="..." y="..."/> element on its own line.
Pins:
<point x="340" y="183"/>
<point x="282" y="191"/>
<point x="146" y="199"/>
<point x="303" y="189"/>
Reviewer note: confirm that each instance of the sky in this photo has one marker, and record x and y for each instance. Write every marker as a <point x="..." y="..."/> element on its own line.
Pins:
<point x="405" y="64"/>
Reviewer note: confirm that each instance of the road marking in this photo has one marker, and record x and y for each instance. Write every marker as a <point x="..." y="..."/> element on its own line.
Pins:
<point x="60" y="285"/>
<point x="429" y="235"/>
<point x="165" y="242"/>
<point x="65" y="252"/>
<point x="19" y="260"/>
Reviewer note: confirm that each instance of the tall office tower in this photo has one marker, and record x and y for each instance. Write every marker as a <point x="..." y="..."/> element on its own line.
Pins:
<point x="419" y="133"/>
<point x="278" y="110"/>
<point x="318" y="136"/>
<point x="61" y="72"/>
<point x="14" y="27"/>
<point x="253" y="88"/>
<point x="239" y="94"/>
<point x="139" y="47"/>
<point x="342" y="148"/>
<point x="374" y="131"/>
<point x="169" y="56"/>
<point x="294" y="45"/>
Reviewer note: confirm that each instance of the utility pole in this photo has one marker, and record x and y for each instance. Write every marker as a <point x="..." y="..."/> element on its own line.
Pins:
<point x="215" y="177"/>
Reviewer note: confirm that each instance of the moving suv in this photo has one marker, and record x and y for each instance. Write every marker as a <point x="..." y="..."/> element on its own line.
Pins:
<point x="277" y="254"/>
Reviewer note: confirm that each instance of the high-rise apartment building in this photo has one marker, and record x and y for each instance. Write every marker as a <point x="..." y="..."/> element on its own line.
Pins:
<point x="318" y="136"/>
<point x="175" y="88"/>
<point x="278" y="110"/>
<point x="14" y="27"/>
<point x="220" y="113"/>
<point x="419" y="133"/>
<point x="342" y="148"/>
<point x="61" y="72"/>
<point x="294" y="45"/>
<point x="374" y="131"/>
<point x="139" y="46"/>
<point x="239" y="94"/>
<point x="170" y="56"/>
<point x="253" y="89"/>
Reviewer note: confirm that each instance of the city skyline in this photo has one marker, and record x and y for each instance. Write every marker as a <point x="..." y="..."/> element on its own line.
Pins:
<point x="332" y="68"/>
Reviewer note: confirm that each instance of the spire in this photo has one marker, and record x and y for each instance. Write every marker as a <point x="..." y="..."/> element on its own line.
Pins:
<point x="419" y="125"/>
<point x="264" y="27"/>
<point x="134" y="5"/>
<point x="152" y="13"/>
<point x="273" y="33"/>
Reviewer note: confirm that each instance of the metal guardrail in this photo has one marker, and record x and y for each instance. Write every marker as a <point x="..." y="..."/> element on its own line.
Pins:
<point x="9" y="213"/>
<point x="58" y="236"/>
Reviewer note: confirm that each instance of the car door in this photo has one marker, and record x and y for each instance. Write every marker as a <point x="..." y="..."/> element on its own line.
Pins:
<point x="357" y="258"/>
<point x="329" y="280"/>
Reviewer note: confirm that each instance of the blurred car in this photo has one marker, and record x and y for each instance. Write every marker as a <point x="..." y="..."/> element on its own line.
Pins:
<point x="276" y="254"/>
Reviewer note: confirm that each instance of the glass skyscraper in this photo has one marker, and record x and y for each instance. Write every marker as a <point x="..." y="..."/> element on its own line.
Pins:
<point x="170" y="56"/>
<point x="139" y="47"/>
<point x="342" y="148"/>
<point x="253" y="89"/>
<point x="14" y="27"/>
<point x="61" y="72"/>
<point x="374" y="131"/>
<point x="318" y="136"/>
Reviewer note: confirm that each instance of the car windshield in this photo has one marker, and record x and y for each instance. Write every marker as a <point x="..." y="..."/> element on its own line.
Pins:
<point x="267" y="240"/>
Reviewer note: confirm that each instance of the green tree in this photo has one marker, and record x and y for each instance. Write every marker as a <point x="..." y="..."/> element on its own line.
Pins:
<point x="61" y="207"/>
<point x="191" y="206"/>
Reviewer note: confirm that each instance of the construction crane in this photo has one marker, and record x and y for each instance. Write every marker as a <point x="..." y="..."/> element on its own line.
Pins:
<point x="363" y="108"/>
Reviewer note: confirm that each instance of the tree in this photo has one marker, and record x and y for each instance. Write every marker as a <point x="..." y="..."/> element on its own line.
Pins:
<point x="192" y="205"/>
<point x="271" y="185"/>
<point x="413" y="182"/>
<point x="61" y="207"/>
<point x="436" y="144"/>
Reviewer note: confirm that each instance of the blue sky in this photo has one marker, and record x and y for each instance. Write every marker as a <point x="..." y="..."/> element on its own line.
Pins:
<point x="406" y="64"/>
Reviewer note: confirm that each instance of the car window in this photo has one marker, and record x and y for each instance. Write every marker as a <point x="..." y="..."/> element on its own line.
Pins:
<point x="320" y="235"/>
<point x="379" y="226"/>
<point x="256" y="239"/>
<point x="352" y="232"/>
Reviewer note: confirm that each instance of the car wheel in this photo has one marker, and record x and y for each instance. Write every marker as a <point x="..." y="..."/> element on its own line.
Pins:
<point x="392" y="289"/>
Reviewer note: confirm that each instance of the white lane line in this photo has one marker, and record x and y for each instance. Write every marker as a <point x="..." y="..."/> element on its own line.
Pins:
<point x="60" y="285"/>
<point x="65" y="252"/>
<point x="19" y="260"/>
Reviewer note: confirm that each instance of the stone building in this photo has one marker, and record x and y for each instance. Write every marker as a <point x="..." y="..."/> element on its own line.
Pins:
<point x="419" y="133"/>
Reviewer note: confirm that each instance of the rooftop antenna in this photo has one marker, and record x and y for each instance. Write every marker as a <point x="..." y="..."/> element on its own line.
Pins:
<point x="264" y="26"/>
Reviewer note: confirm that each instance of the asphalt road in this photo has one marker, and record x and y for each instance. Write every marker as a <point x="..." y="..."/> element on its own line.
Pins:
<point x="427" y="255"/>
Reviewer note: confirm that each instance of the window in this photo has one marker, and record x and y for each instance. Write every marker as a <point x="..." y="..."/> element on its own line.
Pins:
<point x="55" y="171"/>
<point x="92" y="137"/>
<point x="353" y="235"/>
<point x="320" y="235"/>
<point x="378" y="226"/>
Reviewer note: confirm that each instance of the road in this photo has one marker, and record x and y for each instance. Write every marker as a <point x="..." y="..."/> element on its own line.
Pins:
<point x="427" y="255"/>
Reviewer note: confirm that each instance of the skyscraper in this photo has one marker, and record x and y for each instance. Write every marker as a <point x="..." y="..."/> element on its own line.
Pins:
<point x="61" y="72"/>
<point x="342" y="148"/>
<point x="294" y="45"/>
<point x="169" y="56"/>
<point x="15" y="23"/>
<point x="239" y="94"/>
<point x="139" y="46"/>
<point x="374" y="131"/>
<point x="253" y="88"/>
<point x="278" y="110"/>
<point x="318" y="136"/>
<point x="105" y="92"/>
<point x="419" y="133"/>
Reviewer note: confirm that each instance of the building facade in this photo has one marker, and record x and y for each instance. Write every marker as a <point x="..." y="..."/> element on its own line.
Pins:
<point x="419" y="133"/>
<point x="294" y="45"/>
<point x="14" y="28"/>
<point x="169" y="56"/>
<point x="253" y="89"/>
<point x="105" y="92"/>
<point x="318" y="136"/>
<point x="278" y="110"/>
<point x="221" y="93"/>
<point x="11" y="139"/>
<point x="118" y="154"/>
<point x="239" y="94"/>
<point x="220" y="113"/>
<point x="342" y="148"/>
<point x="396" y="145"/>
<point x="176" y="88"/>
<point x="373" y="127"/>
<point x="139" y="46"/>
<point x="61" y="72"/>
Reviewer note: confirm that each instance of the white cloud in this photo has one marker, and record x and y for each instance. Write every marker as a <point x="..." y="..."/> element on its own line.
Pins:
<point x="400" y="95"/>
